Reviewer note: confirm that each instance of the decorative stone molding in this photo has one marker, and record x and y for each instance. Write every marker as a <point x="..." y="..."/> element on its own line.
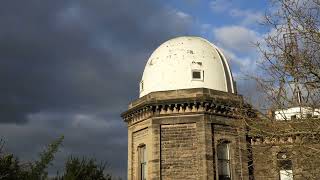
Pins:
<point x="290" y="139"/>
<point x="185" y="101"/>
<point x="179" y="108"/>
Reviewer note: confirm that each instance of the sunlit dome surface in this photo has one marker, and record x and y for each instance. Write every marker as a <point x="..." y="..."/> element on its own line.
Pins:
<point x="184" y="63"/>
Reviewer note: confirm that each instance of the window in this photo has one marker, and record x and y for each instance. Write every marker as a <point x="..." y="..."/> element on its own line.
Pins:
<point x="142" y="162"/>
<point x="223" y="155"/>
<point x="293" y="117"/>
<point x="197" y="75"/>
<point x="309" y="115"/>
<point x="285" y="166"/>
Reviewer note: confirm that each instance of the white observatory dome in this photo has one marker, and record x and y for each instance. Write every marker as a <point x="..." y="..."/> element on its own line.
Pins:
<point x="184" y="63"/>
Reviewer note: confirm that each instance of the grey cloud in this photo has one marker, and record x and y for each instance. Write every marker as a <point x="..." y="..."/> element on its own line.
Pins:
<point x="85" y="135"/>
<point x="62" y="58"/>
<point x="237" y="38"/>
<point x="72" y="54"/>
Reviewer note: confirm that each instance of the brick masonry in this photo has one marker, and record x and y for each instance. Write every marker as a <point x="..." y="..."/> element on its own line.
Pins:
<point x="181" y="130"/>
<point x="178" y="150"/>
<point x="139" y="138"/>
<point x="181" y="136"/>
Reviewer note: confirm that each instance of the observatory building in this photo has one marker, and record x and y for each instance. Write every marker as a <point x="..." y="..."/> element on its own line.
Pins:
<point x="188" y="123"/>
<point x="183" y="125"/>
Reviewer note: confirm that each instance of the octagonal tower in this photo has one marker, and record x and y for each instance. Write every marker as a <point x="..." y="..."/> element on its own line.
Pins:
<point x="185" y="123"/>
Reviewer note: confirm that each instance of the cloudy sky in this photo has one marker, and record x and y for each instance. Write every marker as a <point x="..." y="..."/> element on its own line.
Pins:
<point x="70" y="67"/>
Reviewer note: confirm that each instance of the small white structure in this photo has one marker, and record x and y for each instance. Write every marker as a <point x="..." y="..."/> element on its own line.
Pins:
<point x="186" y="62"/>
<point x="286" y="175"/>
<point x="296" y="113"/>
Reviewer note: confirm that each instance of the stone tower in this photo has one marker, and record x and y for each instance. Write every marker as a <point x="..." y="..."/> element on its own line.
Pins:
<point x="184" y="124"/>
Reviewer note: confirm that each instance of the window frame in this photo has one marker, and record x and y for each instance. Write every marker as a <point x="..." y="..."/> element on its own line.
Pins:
<point x="285" y="165"/>
<point x="142" y="162"/>
<point x="222" y="161"/>
<point x="201" y="75"/>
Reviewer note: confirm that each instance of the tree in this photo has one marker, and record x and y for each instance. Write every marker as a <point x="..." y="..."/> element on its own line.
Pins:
<point x="75" y="169"/>
<point x="12" y="169"/>
<point x="290" y="68"/>
<point x="289" y="78"/>
<point x="84" y="169"/>
<point x="9" y="166"/>
<point x="38" y="168"/>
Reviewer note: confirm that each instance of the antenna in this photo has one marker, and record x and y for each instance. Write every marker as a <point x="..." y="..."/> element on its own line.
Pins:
<point x="291" y="62"/>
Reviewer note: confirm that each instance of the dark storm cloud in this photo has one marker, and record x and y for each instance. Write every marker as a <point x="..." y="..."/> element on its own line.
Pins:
<point x="85" y="135"/>
<point x="76" y="55"/>
<point x="70" y="67"/>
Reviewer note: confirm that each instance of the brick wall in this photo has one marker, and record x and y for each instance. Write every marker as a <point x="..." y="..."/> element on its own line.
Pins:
<point x="238" y="149"/>
<point x="139" y="137"/>
<point x="178" y="151"/>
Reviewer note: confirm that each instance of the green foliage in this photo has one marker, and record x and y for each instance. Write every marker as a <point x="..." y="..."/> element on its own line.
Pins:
<point x="75" y="168"/>
<point x="84" y="169"/>
<point x="12" y="169"/>
<point x="39" y="167"/>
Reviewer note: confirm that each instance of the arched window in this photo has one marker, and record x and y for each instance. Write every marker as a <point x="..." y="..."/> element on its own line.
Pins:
<point x="285" y="166"/>
<point x="223" y="154"/>
<point x="142" y="162"/>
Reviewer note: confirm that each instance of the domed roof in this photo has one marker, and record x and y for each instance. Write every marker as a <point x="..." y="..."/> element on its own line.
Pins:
<point x="184" y="63"/>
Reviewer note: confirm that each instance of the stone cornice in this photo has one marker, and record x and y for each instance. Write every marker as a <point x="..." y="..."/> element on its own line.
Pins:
<point x="183" y="102"/>
<point x="179" y="108"/>
<point x="296" y="138"/>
